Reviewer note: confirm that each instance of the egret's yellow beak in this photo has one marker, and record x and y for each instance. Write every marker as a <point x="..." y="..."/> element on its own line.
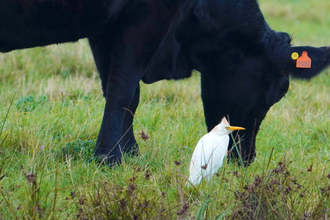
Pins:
<point x="234" y="128"/>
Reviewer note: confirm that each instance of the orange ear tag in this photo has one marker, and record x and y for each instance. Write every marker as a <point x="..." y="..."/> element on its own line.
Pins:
<point x="304" y="61"/>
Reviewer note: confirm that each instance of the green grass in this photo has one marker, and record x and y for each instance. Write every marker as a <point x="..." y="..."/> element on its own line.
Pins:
<point x="52" y="125"/>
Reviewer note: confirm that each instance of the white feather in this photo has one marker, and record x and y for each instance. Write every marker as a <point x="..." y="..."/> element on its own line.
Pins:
<point x="210" y="152"/>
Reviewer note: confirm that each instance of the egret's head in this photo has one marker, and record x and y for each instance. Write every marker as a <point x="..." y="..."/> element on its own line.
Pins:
<point x="224" y="128"/>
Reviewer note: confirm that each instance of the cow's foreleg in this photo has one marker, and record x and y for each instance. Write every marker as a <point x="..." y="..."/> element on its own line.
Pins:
<point x="132" y="53"/>
<point x="101" y="47"/>
<point x="128" y="141"/>
<point x="129" y="61"/>
<point x="121" y="100"/>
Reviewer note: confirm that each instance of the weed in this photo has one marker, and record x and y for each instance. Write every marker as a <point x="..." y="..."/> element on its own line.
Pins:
<point x="77" y="150"/>
<point x="29" y="103"/>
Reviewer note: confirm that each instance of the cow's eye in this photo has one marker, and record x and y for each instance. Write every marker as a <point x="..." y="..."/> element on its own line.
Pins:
<point x="277" y="90"/>
<point x="290" y="40"/>
<point x="285" y="37"/>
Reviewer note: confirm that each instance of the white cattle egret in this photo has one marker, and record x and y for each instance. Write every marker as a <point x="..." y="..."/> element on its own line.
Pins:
<point x="210" y="151"/>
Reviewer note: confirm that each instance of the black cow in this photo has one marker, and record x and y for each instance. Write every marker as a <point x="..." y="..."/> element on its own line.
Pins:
<point x="245" y="66"/>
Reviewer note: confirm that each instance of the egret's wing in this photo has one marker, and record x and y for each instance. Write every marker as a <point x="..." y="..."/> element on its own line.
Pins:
<point x="217" y="154"/>
<point x="206" y="156"/>
<point x="195" y="171"/>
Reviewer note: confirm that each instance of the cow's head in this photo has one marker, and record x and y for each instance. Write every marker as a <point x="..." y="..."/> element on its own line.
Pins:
<point x="244" y="72"/>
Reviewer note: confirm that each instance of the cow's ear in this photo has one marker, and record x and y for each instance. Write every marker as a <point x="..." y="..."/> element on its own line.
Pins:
<point x="304" y="62"/>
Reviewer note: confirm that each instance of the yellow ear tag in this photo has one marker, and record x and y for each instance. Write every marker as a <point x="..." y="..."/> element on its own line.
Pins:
<point x="294" y="55"/>
<point x="304" y="61"/>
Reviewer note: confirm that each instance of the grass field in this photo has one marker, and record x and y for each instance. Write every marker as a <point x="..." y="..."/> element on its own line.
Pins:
<point x="48" y="133"/>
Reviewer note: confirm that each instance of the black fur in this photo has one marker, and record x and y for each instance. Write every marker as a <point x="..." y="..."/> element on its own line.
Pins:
<point x="245" y="66"/>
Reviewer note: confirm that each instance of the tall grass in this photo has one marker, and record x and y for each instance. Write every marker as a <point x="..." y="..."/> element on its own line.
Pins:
<point x="46" y="143"/>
